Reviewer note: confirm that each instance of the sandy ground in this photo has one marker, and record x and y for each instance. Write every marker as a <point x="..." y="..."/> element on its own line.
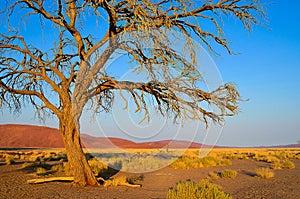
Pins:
<point x="285" y="184"/>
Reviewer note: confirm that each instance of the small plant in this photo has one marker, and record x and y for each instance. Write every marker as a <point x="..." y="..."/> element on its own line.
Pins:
<point x="97" y="166"/>
<point x="213" y="175"/>
<point x="204" y="190"/>
<point x="40" y="171"/>
<point x="288" y="164"/>
<point x="265" y="173"/>
<point x="228" y="173"/>
<point x="276" y="166"/>
<point x="27" y="165"/>
<point x="58" y="168"/>
<point x="225" y="162"/>
<point x="9" y="160"/>
<point x="209" y="161"/>
<point x="134" y="178"/>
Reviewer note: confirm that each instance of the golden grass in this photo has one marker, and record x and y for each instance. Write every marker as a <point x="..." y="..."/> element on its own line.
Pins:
<point x="265" y="173"/>
<point x="228" y="173"/>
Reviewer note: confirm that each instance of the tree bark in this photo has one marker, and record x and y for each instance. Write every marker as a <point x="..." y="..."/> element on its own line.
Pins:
<point x="79" y="166"/>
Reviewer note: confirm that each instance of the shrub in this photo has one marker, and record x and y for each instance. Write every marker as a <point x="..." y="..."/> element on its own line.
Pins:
<point x="271" y="159"/>
<point x="265" y="173"/>
<point x="193" y="190"/>
<point x="213" y="175"/>
<point x="178" y="164"/>
<point x="58" y="168"/>
<point x="187" y="162"/>
<point x="225" y="162"/>
<point x="134" y="178"/>
<point x="27" y="165"/>
<point x="288" y="164"/>
<point x="209" y="161"/>
<point x="9" y="160"/>
<point x="276" y="166"/>
<point x="40" y="171"/>
<point x="97" y="166"/>
<point x="228" y="173"/>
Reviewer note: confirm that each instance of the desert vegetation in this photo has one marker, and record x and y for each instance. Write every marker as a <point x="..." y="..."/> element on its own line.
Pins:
<point x="109" y="166"/>
<point x="193" y="190"/>
<point x="265" y="173"/>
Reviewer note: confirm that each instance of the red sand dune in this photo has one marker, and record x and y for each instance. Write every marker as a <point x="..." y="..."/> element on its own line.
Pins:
<point x="23" y="136"/>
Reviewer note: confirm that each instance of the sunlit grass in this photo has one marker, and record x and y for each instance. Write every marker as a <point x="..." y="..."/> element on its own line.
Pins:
<point x="204" y="190"/>
<point x="265" y="173"/>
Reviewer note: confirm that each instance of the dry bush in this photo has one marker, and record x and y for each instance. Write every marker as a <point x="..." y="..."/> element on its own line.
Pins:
<point x="186" y="162"/>
<point x="40" y="171"/>
<point x="276" y="166"/>
<point x="225" y="162"/>
<point x="134" y="178"/>
<point x="213" y="175"/>
<point x="27" y="165"/>
<point x="288" y="164"/>
<point x="58" y="168"/>
<point x="204" y="190"/>
<point x="9" y="160"/>
<point x="97" y="166"/>
<point x="264" y="173"/>
<point x="228" y="173"/>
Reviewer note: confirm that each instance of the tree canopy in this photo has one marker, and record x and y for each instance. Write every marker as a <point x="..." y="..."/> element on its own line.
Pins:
<point x="62" y="76"/>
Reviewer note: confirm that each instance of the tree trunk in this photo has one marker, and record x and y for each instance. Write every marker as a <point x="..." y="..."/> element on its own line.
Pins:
<point x="79" y="166"/>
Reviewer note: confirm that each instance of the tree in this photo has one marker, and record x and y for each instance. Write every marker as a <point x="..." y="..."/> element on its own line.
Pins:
<point x="73" y="71"/>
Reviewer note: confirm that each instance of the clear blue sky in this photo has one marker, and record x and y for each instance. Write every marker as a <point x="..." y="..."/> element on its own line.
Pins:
<point x="266" y="71"/>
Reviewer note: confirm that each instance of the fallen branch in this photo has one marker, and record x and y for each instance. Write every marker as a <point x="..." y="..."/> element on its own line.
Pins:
<point x="53" y="179"/>
<point x="71" y="179"/>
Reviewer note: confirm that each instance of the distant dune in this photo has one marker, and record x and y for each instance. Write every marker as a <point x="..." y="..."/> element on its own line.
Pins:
<point x="25" y="136"/>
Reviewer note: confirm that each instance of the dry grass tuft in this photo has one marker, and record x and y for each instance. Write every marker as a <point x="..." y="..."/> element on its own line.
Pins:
<point x="213" y="175"/>
<point x="288" y="164"/>
<point x="264" y="173"/>
<point x="203" y="189"/>
<point x="228" y="173"/>
<point x="40" y="171"/>
<point x="9" y="160"/>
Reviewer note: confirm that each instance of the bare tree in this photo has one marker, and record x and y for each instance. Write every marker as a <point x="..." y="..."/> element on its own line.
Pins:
<point x="54" y="80"/>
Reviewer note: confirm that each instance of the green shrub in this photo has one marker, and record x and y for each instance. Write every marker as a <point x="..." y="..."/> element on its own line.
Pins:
<point x="265" y="173"/>
<point x="288" y="165"/>
<point x="228" y="173"/>
<point x="193" y="190"/>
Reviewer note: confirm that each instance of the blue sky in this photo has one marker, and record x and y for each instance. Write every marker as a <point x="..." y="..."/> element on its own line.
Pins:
<point x="266" y="71"/>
